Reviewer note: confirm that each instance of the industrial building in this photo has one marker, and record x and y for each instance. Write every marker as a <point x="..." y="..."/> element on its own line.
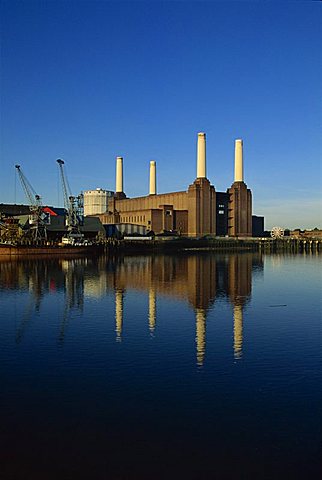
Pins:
<point x="15" y="219"/>
<point x="195" y="212"/>
<point x="96" y="201"/>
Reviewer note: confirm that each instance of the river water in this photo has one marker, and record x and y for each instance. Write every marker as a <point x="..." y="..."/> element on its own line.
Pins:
<point x="193" y="366"/>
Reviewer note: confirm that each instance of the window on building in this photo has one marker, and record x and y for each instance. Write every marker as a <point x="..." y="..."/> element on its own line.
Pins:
<point x="221" y="212"/>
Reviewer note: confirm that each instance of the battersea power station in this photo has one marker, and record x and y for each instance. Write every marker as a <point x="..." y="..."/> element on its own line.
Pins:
<point x="196" y="212"/>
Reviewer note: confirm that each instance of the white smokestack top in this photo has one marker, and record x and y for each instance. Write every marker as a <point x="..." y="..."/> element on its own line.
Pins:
<point x="239" y="169"/>
<point x="201" y="156"/>
<point x="153" y="178"/>
<point x="119" y="175"/>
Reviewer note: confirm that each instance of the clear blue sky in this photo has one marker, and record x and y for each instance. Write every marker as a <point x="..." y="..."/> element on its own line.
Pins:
<point x="87" y="81"/>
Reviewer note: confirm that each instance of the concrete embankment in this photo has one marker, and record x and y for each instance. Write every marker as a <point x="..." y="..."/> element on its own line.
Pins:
<point x="219" y="244"/>
<point x="162" y="244"/>
<point x="182" y="244"/>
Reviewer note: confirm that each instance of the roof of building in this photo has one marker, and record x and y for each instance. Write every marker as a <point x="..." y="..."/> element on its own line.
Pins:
<point x="13" y="209"/>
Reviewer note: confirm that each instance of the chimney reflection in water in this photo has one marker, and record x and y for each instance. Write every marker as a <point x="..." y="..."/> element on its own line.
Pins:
<point x="200" y="335"/>
<point x="240" y="284"/>
<point x="152" y="310"/>
<point x="238" y="331"/>
<point x="119" y="301"/>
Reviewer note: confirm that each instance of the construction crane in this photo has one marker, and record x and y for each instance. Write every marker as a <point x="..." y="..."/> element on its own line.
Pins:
<point x="73" y="206"/>
<point x="37" y="218"/>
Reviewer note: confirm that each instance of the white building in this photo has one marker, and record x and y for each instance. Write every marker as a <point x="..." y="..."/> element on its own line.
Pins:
<point x="95" y="201"/>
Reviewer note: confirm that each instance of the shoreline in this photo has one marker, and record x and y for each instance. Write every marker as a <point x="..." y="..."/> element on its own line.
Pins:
<point x="172" y="244"/>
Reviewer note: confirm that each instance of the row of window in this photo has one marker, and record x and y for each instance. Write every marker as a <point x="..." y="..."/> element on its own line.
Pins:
<point x="133" y="218"/>
<point x="141" y="218"/>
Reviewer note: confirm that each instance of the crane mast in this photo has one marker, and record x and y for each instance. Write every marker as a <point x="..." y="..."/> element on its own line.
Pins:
<point x="73" y="208"/>
<point x="37" y="218"/>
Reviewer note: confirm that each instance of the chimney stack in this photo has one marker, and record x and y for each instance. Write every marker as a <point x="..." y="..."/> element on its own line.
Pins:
<point x="153" y="180"/>
<point x="201" y="156"/>
<point x="239" y="169"/>
<point x="119" y="175"/>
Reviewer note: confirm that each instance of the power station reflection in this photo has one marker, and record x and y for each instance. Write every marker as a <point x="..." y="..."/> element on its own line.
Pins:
<point x="198" y="279"/>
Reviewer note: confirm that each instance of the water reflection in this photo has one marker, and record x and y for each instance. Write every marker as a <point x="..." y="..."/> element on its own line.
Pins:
<point x="152" y="310"/>
<point x="200" y="280"/>
<point x="175" y="365"/>
<point x="119" y="303"/>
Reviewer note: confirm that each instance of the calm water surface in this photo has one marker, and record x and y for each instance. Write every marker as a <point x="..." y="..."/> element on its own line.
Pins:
<point x="190" y="366"/>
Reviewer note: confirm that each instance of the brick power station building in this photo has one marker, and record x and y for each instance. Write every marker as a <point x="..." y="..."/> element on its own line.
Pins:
<point x="198" y="211"/>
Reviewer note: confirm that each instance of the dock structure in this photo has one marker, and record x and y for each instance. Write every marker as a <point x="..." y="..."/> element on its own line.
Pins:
<point x="263" y="245"/>
<point x="289" y="244"/>
<point x="173" y="244"/>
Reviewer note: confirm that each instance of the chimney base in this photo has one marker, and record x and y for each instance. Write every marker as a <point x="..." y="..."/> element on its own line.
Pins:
<point x="119" y="195"/>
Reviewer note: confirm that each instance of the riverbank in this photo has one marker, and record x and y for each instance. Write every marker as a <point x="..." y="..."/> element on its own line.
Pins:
<point x="172" y="244"/>
<point x="218" y="244"/>
<point x="22" y="250"/>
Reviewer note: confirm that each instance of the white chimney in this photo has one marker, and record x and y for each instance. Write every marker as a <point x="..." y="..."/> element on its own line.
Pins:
<point x="201" y="155"/>
<point x="153" y="179"/>
<point x="239" y="169"/>
<point x="119" y="175"/>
